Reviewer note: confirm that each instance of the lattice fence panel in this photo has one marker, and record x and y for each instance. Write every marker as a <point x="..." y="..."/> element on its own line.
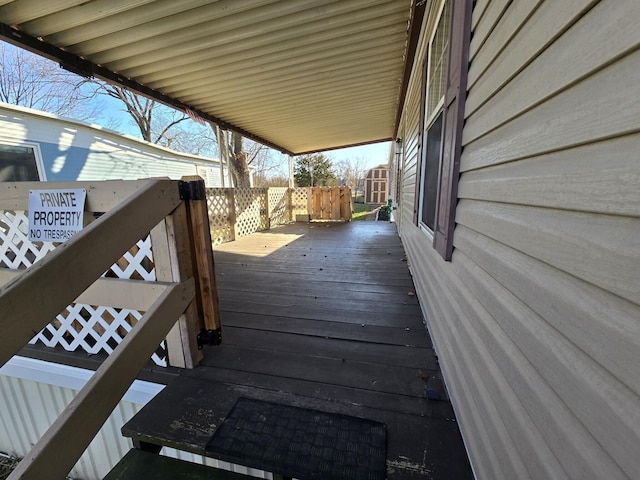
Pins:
<point x="251" y="210"/>
<point x="279" y="205"/>
<point x="220" y="215"/>
<point x="89" y="328"/>
<point x="299" y="199"/>
<point x="16" y="250"/>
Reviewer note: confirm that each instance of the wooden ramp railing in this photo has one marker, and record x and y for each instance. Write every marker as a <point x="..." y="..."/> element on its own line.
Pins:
<point x="175" y="215"/>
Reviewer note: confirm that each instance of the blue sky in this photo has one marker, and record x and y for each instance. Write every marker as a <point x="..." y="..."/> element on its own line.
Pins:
<point x="374" y="154"/>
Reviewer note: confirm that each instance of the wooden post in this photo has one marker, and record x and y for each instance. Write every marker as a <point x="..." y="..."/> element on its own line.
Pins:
<point x="206" y="287"/>
<point x="173" y="262"/>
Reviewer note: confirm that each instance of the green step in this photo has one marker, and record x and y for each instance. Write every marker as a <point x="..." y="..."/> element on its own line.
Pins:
<point x="139" y="464"/>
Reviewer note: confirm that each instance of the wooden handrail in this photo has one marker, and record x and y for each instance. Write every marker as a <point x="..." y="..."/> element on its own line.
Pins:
<point x="114" y="292"/>
<point x="58" y="450"/>
<point x="31" y="300"/>
<point x="101" y="196"/>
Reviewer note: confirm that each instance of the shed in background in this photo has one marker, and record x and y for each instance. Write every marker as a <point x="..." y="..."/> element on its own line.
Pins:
<point x="375" y="186"/>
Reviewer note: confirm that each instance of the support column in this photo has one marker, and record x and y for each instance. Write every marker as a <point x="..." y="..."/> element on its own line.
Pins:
<point x="291" y="183"/>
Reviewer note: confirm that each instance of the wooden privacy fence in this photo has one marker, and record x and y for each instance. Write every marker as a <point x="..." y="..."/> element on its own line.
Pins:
<point x="330" y="203"/>
<point x="238" y="212"/>
<point x="155" y="234"/>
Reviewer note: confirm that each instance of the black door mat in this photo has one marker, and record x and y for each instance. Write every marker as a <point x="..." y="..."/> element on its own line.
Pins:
<point x="301" y="443"/>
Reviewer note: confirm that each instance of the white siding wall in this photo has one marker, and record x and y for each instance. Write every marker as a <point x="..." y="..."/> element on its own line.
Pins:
<point x="76" y="151"/>
<point x="32" y="395"/>
<point x="537" y="318"/>
<point x="30" y="407"/>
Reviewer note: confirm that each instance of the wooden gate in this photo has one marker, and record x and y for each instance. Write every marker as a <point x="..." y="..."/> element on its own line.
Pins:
<point x="330" y="204"/>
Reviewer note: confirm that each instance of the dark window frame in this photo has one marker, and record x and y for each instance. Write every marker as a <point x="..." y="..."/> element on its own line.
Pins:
<point x="452" y="124"/>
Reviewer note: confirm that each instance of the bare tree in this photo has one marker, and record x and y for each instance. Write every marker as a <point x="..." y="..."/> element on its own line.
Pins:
<point x="144" y="113"/>
<point x="240" y="161"/>
<point x="29" y="80"/>
<point x="264" y="180"/>
<point x="352" y="171"/>
<point x="242" y="155"/>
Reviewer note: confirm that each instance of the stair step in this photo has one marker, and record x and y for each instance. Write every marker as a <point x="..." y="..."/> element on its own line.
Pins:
<point x="139" y="464"/>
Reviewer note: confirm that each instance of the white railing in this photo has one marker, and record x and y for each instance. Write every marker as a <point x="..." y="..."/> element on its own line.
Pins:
<point x="238" y="212"/>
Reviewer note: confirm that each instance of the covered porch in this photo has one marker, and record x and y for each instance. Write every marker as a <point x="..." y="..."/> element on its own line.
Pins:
<point x="320" y="316"/>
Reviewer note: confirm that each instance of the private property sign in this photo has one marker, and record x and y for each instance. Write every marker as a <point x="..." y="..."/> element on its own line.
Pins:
<point x="55" y="215"/>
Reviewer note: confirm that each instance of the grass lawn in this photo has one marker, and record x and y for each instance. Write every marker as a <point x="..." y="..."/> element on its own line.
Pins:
<point x="360" y="211"/>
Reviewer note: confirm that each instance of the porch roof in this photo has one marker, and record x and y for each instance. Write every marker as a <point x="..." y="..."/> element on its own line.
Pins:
<point x="298" y="75"/>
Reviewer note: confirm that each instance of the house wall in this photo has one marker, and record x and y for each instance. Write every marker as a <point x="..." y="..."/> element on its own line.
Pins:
<point x="536" y="320"/>
<point x="71" y="150"/>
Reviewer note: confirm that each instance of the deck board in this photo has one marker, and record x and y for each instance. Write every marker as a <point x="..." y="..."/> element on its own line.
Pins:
<point x="318" y="316"/>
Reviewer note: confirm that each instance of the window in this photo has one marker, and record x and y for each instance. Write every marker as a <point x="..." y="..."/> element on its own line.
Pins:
<point x="431" y="164"/>
<point x="434" y="85"/>
<point x="18" y="164"/>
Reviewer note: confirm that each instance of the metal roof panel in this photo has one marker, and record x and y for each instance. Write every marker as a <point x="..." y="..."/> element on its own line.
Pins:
<point x="301" y="74"/>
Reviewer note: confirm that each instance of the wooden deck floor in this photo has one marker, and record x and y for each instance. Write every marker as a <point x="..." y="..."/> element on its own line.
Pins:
<point x="320" y="316"/>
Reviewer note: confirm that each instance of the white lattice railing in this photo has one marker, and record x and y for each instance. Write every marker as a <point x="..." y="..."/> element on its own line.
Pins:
<point x="92" y="329"/>
<point x="279" y="206"/>
<point x="221" y="207"/>
<point x="299" y="202"/>
<point x="238" y="212"/>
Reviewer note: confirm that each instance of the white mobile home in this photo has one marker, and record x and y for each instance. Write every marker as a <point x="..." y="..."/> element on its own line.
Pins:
<point x="39" y="146"/>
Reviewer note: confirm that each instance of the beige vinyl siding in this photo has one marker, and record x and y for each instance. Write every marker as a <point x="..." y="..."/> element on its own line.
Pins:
<point x="536" y="320"/>
<point x="410" y="139"/>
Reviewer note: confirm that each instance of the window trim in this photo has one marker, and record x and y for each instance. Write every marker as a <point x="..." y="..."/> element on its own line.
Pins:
<point x="426" y="122"/>
<point x="453" y="122"/>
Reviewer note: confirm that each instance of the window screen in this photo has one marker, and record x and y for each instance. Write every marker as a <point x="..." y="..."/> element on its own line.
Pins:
<point x="432" y="163"/>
